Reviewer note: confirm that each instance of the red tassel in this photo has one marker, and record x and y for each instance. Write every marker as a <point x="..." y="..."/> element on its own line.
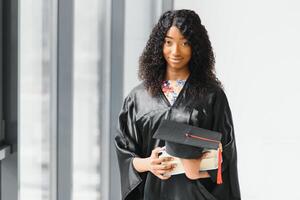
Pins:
<point x="219" y="175"/>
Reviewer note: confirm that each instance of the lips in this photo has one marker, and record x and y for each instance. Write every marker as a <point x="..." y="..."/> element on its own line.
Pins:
<point x="175" y="60"/>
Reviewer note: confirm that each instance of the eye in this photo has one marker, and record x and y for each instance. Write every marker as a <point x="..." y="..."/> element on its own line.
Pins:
<point x="185" y="43"/>
<point x="168" y="42"/>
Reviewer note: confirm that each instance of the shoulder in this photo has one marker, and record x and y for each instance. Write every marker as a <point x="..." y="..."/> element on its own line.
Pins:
<point x="138" y="94"/>
<point x="216" y="92"/>
<point x="219" y="99"/>
<point x="137" y="91"/>
<point x="139" y="100"/>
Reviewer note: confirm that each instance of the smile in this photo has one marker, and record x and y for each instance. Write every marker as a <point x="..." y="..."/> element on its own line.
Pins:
<point x="175" y="60"/>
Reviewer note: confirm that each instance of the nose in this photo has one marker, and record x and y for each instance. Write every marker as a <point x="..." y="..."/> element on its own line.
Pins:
<point x="175" y="50"/>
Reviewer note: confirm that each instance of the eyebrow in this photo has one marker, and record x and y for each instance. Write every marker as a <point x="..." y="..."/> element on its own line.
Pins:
<point x="173" y="38"/>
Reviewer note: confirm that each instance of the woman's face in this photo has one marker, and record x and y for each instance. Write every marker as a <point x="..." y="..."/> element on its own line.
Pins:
<point x="176" y="49"/>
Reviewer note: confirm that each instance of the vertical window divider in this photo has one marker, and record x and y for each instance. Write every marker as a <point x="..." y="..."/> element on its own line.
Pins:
<point x="65" y="99"/>
<point x="54" y="103"/>
<point x="105" y="99"/>
<point x="116" y="89"/>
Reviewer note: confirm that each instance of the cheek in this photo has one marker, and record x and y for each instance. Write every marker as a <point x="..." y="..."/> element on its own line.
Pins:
<point x="188" y="54"/>
<point x="165" y="51"/>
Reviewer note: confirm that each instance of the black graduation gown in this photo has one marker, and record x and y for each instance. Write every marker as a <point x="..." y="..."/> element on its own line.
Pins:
<point x="140" y="117"/>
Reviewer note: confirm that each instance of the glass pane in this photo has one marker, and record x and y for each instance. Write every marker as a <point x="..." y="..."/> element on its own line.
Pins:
<point x="36" y="94"/>
<point x="86" y="128"/>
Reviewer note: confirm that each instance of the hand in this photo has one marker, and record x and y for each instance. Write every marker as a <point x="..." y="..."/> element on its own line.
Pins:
<point x="160" y="166"/>
<point x="191" y="167"/>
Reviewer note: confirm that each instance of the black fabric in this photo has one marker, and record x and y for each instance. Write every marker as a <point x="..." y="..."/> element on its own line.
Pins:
<point x="183" y="151"/>
<point x="140" y="117"/>
<point x="186" y="141"/>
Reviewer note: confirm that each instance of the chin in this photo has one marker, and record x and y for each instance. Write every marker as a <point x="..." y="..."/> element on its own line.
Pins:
<point x="177" y="66"/>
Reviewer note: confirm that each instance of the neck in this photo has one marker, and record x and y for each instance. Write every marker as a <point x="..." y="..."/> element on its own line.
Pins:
<point x="172" y="74"/>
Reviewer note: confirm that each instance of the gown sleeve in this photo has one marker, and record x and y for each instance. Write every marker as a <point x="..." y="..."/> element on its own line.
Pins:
<point x="223" y="123"/>
<point x="127" y="147"/>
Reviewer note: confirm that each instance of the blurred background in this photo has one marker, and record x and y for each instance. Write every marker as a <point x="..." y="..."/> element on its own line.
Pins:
<point x="66" y="66"/>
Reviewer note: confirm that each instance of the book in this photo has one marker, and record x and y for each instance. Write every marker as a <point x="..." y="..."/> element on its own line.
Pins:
<point x="209" y="162"/>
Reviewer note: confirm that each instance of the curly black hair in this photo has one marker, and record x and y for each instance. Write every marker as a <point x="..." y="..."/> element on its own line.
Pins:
<point x="152" y="65"/>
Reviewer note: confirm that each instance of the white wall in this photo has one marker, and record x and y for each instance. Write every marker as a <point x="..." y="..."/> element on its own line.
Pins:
<point x="257" y="45"/>
<point x="140" y="18"/>
<point x="137" y="30"/>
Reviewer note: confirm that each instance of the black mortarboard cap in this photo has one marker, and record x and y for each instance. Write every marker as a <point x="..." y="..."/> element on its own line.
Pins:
<point x="186" y="141"/>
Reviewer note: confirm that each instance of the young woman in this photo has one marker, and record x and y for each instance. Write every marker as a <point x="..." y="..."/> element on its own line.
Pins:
<point x="179" y="84"/>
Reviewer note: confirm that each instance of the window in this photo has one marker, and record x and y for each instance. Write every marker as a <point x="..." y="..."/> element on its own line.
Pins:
<point x="37" y="50"/>
<point x="86" y="102"/>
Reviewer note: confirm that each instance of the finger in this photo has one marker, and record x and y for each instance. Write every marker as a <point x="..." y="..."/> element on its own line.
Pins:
<point x="155" y="152"/>
<point x="165" y="159"/>
<point x="156" y="161"/>
<point x="164" y="171"/>
<point x="158" y="167"/>
<point x="167" y="166"/>
<point x="163" y="166"/>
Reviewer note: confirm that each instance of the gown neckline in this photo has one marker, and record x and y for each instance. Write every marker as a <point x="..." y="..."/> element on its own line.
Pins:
<point x="166" y="100"/>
